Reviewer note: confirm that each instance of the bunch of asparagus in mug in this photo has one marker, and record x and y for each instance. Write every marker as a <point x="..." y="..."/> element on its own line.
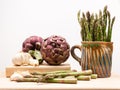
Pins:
<point x="68" y="77"/>
<point x="96" y="27"/>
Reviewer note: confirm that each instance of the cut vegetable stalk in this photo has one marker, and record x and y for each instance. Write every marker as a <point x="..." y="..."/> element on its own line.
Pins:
<point x="37" y="55"/>
<point x="55" y="80"/>
<point x="93" y="76"/>
<point x="85" y="78"/>
<point x="44" y="73"/>
<point x="54" y="75"/>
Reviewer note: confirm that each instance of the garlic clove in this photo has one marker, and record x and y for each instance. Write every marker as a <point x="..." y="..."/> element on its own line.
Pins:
<point x="33" y="62"/>
<point x="25" y="58"/>
<point x="25" y="73"/>
<point x="16" y="60"/>
<point x="16" y="76"/>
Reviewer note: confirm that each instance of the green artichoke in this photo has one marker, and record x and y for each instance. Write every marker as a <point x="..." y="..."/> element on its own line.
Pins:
<point x="55" y="50"/>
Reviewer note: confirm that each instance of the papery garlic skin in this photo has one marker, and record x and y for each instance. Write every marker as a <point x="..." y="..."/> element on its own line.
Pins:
<point x="16" y="59"/>
<point x="16" y="76"/>
<point x="25" y="73"/>
<point x="26" y="57"/>
<point x="21" y="58"/>
<point x="34" y="62"/>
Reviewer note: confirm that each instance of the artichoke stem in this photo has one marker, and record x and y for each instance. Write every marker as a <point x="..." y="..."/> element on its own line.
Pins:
<point x="37" y="55"/>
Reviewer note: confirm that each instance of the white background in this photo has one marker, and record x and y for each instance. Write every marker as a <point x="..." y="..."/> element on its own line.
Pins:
<point x="20" y="19"/>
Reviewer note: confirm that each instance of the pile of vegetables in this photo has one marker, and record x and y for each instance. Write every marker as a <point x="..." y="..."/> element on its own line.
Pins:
<point x="54" y="50"/>
<point x="96" y="27"/>
<point x="32" y="45"/>
<point x="68" y="77"/>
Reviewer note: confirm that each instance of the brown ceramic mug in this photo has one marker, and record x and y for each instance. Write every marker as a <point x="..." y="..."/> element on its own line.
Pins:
<point x="95" y="55"/>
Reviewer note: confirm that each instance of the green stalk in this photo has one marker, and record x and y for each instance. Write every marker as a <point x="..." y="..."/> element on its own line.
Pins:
<point x="104" y="20"/>
<point x="92" y="26"/>
<point x="93" y="76"/>
<point x="100" y="33"/>
<point x="55" y="80"/>
<point x="109" y="27"/>
<point x="88" y="20"/>
<point x="62" y="80"/>
<point x="27" y="80"/>
<point x="80" y="20"/>
<point x="68" y="77"/>
<point x="110" y="32"/>
<point x="33" y="76"/>
<point x="51" y="75"/>
<point x="87" y="72"/>
<point x="89" y="36"/>
<point x="37" y="55"/>
<point x="83" y="32"/>
<point x="113" y="20"/>
<point x="44" y="73"/>
<point x="56" y="74"/>
<point x="84" y="78"/>
<point x="78" y="16"/>
<point x="96" y="28"/>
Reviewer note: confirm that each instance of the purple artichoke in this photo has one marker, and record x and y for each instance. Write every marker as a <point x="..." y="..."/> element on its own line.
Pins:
<point x="55" y="50"/>
<point x="32" y="43"/>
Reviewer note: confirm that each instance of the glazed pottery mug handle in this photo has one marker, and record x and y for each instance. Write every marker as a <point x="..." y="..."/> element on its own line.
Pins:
<point x="73" y="53"/>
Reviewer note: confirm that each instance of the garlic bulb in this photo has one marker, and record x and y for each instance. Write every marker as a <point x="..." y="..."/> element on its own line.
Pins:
<point x="21" y="58"/>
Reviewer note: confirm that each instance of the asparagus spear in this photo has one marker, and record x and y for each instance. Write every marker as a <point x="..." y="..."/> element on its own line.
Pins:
<point x="27" y="80"/>
<point x="55" y="80"/>
<point x="85" y="78"/>
<point x="63" y="73"/>
<point x="44" y="73"/>
<point x="88" y="20"/>
<point x="62" y="80"/>
<point x="78" y="16"/>
<point x="92" y="26"/>
<point x="109" y="34"/>
<point x="93" y="76"/>
<point x="104" y="22"/>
